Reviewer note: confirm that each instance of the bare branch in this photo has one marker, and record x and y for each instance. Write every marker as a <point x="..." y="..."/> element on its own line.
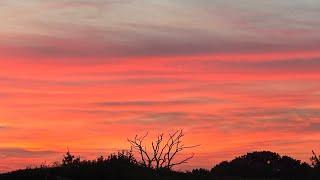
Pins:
<point x="182" y="161"/>
<point x="163" y="152"/>
<point x="315" y="159"/>
<point x="137" y="144"/>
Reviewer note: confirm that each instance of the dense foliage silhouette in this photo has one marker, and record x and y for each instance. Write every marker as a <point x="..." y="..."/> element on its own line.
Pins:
<point x="124" y="166"/>
<point x="263" y="164"/>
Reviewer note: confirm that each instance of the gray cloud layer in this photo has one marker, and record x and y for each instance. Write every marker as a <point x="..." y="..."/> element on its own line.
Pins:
<point x="101" y="29"/>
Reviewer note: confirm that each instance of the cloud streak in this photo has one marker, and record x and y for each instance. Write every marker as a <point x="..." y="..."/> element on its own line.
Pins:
<point x="160" y="103"/>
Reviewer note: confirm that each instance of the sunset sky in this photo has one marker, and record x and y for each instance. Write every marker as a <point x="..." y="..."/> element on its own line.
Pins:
<point x="237" y="76"/>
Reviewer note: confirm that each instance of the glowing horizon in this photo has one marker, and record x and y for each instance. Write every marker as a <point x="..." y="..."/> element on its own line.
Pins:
<point x="87" y="74"/>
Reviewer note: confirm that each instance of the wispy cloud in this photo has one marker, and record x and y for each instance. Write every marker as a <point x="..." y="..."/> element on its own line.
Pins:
<point x="24" y="153"/>
<point x="185" y="101"/>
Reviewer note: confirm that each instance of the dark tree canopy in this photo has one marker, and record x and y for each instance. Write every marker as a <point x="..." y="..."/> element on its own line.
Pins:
<point x="262" y="164"/>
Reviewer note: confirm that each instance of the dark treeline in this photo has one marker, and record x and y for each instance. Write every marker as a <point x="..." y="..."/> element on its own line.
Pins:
<point x="124" y="166"/>
<point x="158" y="162"/>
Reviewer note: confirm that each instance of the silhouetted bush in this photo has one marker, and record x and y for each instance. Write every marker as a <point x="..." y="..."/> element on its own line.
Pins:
<point x="262" y="164"/>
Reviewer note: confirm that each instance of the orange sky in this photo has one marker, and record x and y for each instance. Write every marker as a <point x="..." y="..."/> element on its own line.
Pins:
<point x="88" y="74"/>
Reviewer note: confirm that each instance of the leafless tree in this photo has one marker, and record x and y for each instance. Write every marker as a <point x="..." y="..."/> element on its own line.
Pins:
<point x="163" y="152"/>
<point x="315" y="159"/>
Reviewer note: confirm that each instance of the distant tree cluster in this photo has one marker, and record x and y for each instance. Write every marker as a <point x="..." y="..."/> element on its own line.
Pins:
<point x="262" y="164"/>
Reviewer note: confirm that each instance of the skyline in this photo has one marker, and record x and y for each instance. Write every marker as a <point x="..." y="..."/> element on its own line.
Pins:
<point x="237" y="76"/>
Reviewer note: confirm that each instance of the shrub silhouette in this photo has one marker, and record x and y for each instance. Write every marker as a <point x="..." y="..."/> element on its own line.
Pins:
<point x="262" y="164"/>
<point x="121" y="165"/>
<point x="70" y="160"/>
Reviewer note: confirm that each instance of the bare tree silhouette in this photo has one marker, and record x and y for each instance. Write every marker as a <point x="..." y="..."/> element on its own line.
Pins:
<point x="163" y="151"/>
<point x="315" y="160"/>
